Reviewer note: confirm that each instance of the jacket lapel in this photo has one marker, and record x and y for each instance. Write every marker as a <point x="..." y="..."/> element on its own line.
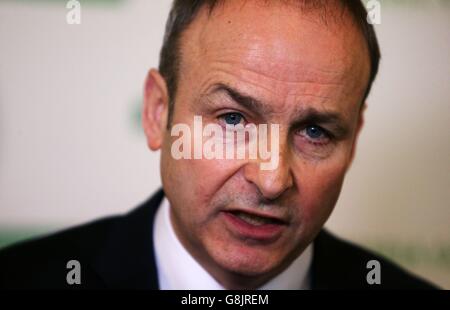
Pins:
<point x="127" y="258"/>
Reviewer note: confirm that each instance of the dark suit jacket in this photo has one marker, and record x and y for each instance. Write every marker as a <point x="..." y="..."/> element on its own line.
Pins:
<point x="117" y="252"/>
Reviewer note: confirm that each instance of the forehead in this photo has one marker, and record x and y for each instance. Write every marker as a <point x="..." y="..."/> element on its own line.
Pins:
<point x="282" y="48"/>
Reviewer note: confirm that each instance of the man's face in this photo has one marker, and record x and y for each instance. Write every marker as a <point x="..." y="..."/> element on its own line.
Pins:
<point x="306" y="76"/>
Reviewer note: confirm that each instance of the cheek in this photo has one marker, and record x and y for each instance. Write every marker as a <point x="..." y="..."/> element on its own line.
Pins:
<point x="319" y="189"/>
<point x="191" y="184"/>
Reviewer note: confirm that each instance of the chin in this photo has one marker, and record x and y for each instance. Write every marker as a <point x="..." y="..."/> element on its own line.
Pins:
<point x="247" y="260"/>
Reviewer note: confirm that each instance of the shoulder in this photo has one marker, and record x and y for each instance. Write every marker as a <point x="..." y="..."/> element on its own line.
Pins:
<point x="112" y="252"/>
<point x="342" y="264"/>
<point x="42" y="262"/>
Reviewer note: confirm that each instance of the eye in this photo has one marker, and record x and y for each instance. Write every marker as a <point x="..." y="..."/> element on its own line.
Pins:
<point x="232" y="118"/>
<point x="315" y="132"/>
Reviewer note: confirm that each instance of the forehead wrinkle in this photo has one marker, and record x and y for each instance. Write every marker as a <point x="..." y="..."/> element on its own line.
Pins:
<point x="296" y="89"/>
<point x="279" y="102"/>
<point x="270" y="83"/>
<point x="265" y="69"/>
<point x="332" y="89"/>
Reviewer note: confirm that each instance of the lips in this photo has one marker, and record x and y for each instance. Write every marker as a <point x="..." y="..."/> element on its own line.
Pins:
<point x="256" y="219"/>
<point x="256" y="226"/>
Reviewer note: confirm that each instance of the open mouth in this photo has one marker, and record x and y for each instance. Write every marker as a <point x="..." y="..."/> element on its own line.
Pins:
<point x="257" y="227"/>
<point x="256" y="220"/>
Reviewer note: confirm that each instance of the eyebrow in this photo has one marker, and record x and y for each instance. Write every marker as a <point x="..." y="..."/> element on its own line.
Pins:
<point x="252" y="104"/>
<point x="304" y="116"/>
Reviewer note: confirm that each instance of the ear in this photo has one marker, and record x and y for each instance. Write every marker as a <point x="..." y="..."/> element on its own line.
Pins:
<point x="155" y="109"/>
<point x="359" y="127"/>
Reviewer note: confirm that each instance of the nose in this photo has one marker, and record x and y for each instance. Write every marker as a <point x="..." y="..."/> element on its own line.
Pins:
<point x="271" y="183"/>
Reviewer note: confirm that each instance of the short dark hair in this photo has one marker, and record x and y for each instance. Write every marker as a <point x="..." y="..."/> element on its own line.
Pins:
<point x="183" y="13"/>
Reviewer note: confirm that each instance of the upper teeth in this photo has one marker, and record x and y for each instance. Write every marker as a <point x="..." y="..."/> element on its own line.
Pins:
<point x="253" y="219"/>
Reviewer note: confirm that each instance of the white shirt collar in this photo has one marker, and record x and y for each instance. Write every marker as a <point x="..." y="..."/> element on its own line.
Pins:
<point x="178" y="270"/>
